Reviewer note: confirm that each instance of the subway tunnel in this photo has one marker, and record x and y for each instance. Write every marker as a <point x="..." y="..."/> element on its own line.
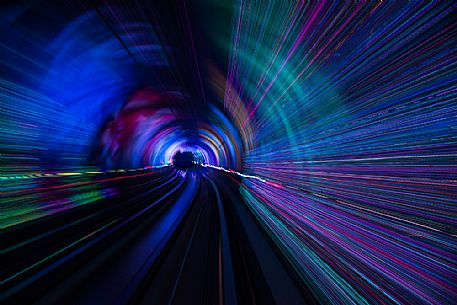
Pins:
<point x="228" y="152"/>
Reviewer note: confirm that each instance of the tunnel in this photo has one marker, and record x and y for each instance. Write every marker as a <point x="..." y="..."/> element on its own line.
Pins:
<point x="183" y="159"/>
<point x="228" y="152"/>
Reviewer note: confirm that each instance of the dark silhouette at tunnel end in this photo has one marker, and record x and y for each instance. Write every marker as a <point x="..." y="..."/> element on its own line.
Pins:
<point x="183" y="159"/>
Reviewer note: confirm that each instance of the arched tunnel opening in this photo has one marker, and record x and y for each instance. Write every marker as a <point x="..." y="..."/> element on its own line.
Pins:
<point x="184" y="159"/>
<point x="228" y="152"/>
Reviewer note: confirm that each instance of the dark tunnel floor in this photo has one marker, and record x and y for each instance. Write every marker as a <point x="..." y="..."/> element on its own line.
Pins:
<point x="166" y="237"/>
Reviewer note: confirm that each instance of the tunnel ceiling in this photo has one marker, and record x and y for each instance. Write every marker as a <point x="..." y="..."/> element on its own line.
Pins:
<point x="130" y="84"/>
